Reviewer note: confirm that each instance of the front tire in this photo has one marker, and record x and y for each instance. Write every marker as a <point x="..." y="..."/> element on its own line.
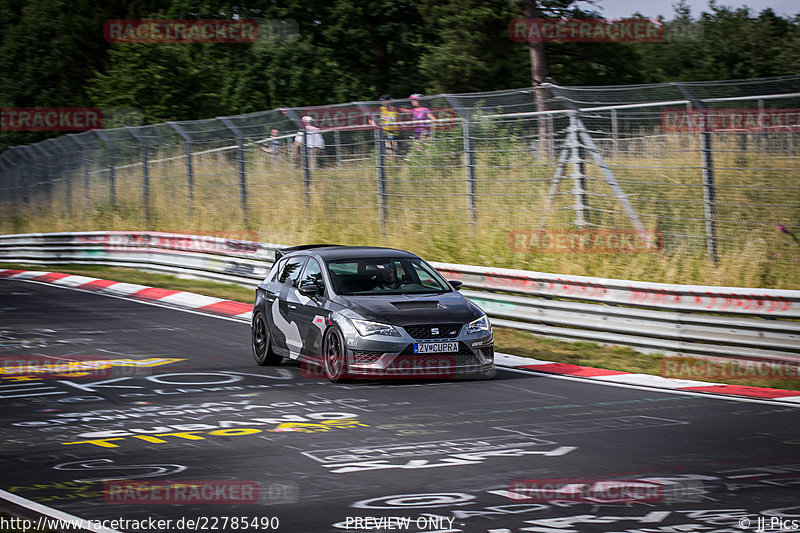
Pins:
<point x="262" y="341"/>
<point x="334" y="355"/>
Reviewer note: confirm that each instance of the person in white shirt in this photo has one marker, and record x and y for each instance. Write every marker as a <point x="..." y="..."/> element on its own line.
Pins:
<point x="316" y="144"/>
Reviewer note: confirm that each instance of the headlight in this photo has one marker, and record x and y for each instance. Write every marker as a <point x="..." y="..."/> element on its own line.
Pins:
<point x="481" y="324"/>
<point x="366" y="328"/>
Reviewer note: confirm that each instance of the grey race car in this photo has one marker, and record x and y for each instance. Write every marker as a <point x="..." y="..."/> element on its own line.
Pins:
<point x="363" y="312"/>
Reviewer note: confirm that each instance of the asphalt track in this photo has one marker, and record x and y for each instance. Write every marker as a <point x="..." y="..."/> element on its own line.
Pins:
<point x="184" y="402"/>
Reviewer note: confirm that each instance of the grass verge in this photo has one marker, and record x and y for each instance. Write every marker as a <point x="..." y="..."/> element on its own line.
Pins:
<point x="507" y="340"/>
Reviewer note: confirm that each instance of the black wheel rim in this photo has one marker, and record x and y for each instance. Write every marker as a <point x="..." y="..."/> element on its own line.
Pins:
<point x="260" y="338"/>
<point x="333" y="355"/>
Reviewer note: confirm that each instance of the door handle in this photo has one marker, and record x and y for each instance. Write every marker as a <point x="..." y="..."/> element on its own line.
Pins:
<point x="292" y="306"/>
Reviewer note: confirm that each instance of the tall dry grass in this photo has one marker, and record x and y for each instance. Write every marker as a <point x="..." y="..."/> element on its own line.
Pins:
<point x="427" y="204"/>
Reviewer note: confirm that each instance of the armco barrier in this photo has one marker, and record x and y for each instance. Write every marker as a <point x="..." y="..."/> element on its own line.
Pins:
<point x="704" y="321"/>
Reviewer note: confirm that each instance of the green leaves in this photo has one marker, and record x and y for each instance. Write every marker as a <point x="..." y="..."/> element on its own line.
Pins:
<point x="52" y="53"/>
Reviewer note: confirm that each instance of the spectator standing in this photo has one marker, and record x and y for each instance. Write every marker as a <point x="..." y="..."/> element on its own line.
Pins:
<point x="389" y="117"/>
<point x="273" y="146"/>
<point x="316" y="144"/>
<point x="422" y="117"/>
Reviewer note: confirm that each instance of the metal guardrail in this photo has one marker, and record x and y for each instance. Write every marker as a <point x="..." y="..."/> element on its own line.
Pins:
<point x="705" y="321"/>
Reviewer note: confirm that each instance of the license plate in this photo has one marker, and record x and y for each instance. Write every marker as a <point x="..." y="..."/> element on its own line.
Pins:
<point x="435" y="347"/>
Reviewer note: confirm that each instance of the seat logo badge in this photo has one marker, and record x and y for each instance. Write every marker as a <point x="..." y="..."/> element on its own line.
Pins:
<point x="434" y="331"/>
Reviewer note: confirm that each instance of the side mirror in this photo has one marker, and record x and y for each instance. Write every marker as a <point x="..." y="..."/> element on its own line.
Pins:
<point x="455" y="284"/>
<point x="309" y="289"/>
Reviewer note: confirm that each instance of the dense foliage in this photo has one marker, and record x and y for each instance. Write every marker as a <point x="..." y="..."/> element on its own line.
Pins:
<point x="53" y="53"/>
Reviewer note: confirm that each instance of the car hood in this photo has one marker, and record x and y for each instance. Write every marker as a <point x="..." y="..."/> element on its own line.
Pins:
<point x="402" y="310"/>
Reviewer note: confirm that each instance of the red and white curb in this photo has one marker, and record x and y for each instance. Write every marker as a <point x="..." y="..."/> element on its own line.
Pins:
<point x="645" y="380"/>
<point x="180" y="299"/>
<point x="243" y="311"/>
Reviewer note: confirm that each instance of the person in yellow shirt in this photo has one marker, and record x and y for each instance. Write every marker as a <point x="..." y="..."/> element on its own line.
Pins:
<point x="389" y="118"/>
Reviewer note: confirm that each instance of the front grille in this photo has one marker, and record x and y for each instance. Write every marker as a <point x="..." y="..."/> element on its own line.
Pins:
<point x="361" y="358"/>
<point x="434" y="331"/>
<point x="446" y="361"/>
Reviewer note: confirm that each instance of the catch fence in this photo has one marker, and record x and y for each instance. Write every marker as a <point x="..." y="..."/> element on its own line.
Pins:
<point x="705" y="166"/>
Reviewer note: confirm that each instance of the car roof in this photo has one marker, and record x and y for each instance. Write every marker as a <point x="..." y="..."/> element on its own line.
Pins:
<point x="335" y="252"/>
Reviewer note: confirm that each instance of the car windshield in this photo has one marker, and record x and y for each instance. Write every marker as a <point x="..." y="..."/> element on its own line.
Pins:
<point x="376" y="276"/>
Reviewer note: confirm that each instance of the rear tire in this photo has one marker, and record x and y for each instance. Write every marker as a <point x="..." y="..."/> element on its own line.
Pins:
<point x="334" y="355"/>
<point x="262" y="341"/>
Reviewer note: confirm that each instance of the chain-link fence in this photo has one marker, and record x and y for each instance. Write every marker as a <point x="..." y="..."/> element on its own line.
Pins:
<point x="710" y="167"/>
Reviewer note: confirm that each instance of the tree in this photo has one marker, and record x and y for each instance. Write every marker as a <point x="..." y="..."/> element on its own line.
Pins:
<point x="469" y="49"/>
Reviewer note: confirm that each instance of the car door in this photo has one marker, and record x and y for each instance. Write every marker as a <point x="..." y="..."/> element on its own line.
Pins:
<point x="286" y="332"/>
<point x="309" y="312"/>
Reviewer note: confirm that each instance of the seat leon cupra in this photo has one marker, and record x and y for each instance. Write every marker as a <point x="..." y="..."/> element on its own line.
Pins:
<point x="365" y="312"/>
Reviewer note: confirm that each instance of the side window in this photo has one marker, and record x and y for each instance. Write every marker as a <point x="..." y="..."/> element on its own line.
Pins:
<point x="313" y="274"/>
<point x="291" y="271"/>
<point x="276" y="270"/>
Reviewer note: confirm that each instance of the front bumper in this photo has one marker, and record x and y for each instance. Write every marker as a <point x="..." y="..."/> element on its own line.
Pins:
<point x="380" y="356"/>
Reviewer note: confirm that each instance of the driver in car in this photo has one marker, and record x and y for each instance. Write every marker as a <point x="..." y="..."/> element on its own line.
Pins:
<point x="387" y="277"/>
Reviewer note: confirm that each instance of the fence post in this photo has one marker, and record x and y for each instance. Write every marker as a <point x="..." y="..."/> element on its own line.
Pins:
<point x="761" y="133"/>
<point x="380" y="176"/>
<point x="469" y="163"/>
<point x="84" y="166"/>
<point x="241" y="160"/>
<point x="187" y="149"/>
<point x="5" y="176"/>
<point x="112" y="193"/>
<point x="12" y="173"/>
<point x="614" y="132"/>
<point x="337" y="150"/>
<point x="306" y="169"/>
<point x="143" y="149"/>
<point x="576" y="159"/>
<point x="44" y="177"/>
<point x="66" y="175"/>
<point x="27" y="198"/>
<point x="709" y="193"/>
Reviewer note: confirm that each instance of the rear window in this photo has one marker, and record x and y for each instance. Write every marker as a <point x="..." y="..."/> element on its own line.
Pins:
<point x="343" y="267"/>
